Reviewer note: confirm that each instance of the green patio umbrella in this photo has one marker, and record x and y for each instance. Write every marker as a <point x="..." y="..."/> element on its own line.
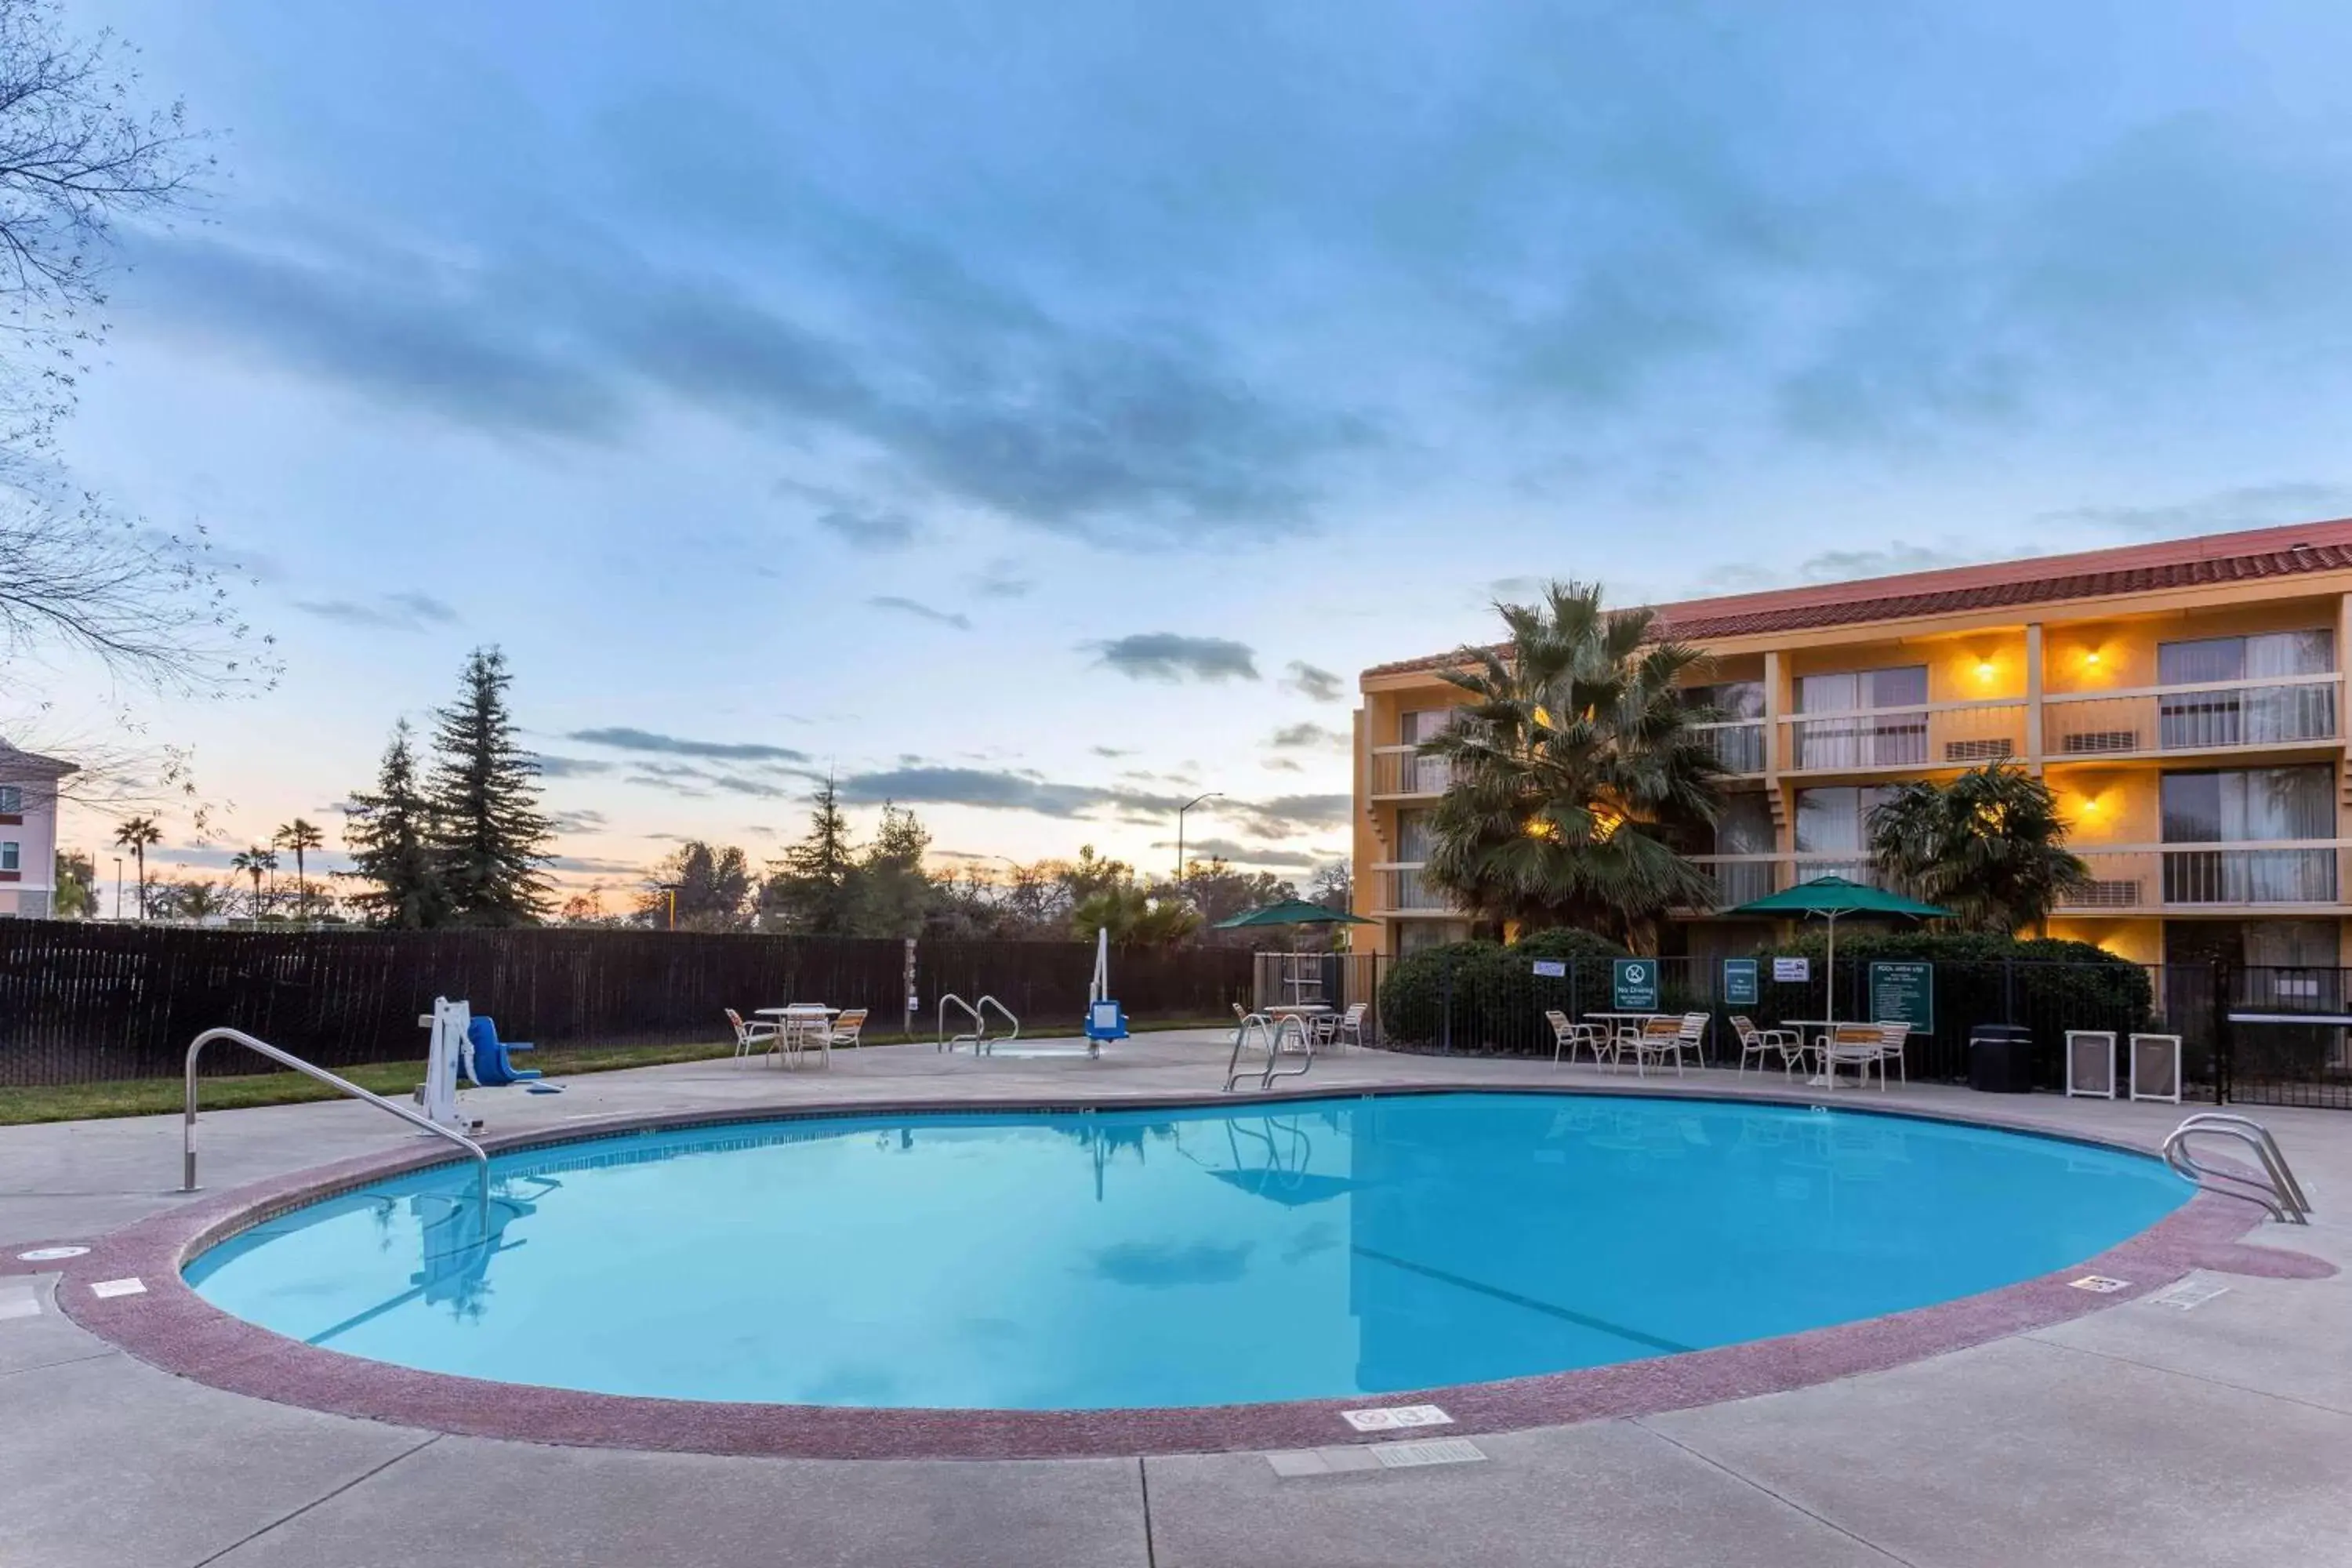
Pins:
<point x="1829" y="897"/>
<point x="1292" y="912"/>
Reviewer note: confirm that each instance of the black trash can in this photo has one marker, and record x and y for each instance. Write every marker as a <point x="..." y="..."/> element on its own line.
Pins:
<point x="2001" y="1059"/>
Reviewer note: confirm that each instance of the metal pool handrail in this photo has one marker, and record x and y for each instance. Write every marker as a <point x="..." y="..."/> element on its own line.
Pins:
<point x="287" y="1059"/>
<point x="2276" y="1191"/>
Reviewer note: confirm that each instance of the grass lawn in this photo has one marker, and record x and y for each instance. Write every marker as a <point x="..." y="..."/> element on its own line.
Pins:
<point x="165" y="1096"/>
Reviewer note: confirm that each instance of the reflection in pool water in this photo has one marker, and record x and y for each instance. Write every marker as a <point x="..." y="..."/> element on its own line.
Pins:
<point x="1208" y="1255"/>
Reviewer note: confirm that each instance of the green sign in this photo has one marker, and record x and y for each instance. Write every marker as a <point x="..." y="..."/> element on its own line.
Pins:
<point x="1904" y="994"/>
<point x="1739" y="983"/>
<point x="1634" y="983"/>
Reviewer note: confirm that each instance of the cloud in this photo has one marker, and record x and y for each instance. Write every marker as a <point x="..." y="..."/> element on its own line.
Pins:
<point x="1000" y="580"/>
<point x="409" y="612"/>
<point x="560" y="767"/>
<point x="1133" y="435"/>
<point x="2248" y="506"/>
<point x="921" y="612"/>
<point x="1242" y="854"/>
<point x="1851" y="565"/>
<point x="862" y="524"/>
<point x="591" y="865"/>
<point x="621" y="737"/>
<point x="1320" y="684"/>
<point x="1167" y="656"/>
<point x="578" y="821"/>
<point x="1292" y="814"/>
<point x="1109" y="751"/>
<point x="996" y="791"/>
<point x="1304" y="737"/>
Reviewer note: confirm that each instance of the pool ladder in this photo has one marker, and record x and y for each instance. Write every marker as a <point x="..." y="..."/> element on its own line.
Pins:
<point x="288" y="1059"/>
<point x="2275" y="1189"/>
<point x="1271" y="1031"/>
<point x="979" y="1041"/>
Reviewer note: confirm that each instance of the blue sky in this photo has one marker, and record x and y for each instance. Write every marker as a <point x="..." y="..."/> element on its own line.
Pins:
<point x="1026" y="410"/>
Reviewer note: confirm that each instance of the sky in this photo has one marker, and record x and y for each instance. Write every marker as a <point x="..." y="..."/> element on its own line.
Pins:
<point x="1038" y="414"/>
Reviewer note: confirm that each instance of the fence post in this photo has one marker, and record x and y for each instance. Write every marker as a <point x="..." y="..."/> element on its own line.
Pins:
<point x="2222" y="1043"/>
<point x="2008" y="990"/>
<point x="1446" y="1012"/>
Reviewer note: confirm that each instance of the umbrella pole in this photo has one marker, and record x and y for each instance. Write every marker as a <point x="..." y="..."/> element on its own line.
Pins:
<point x="1829" y="974"/>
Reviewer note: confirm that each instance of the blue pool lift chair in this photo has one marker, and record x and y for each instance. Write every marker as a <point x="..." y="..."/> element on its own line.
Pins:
<point x="488" y="1059"/>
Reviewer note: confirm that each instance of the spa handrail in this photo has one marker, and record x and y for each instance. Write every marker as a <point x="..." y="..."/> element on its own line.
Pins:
<point x="287" y="1059"/>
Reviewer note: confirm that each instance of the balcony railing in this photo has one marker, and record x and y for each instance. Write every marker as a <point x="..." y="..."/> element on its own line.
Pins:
<point x="1741" y="878"/>
<point x="1927" y="735"/>
<point x="1403" y="771"/>
<point x="2210" y="876"/>
<point x="1403" y="891"/>
<point x="1737" y="747"/>
<point x="2208" y="716"/>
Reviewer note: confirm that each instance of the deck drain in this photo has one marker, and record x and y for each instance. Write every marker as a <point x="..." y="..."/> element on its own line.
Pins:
<point x="2100" y="1285"/>
<point x="1428" y="1451"/>
<point x="1393" y="1417"/>
<point x="51" y="1254"/>
<point x="2184" y="1297"/>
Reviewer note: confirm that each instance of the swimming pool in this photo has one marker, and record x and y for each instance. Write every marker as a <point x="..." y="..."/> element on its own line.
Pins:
<point x="1215" y="1255"/>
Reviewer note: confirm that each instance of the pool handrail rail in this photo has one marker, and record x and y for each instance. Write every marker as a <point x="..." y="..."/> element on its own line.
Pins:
<point x="287" y="1059"/>
<point x="2275" y="1190"/>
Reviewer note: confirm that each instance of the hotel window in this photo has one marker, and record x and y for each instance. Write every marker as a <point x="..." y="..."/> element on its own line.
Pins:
<point x="1737" y="712"/>
<point x="1412" y="834"/>
<point x="1744" y="827"/>
<point x="12" y="800"/>
<point x="2254" y="713"/>
<point x="2270" y="806"/>
<point x="8" y="855"/>
<point x="1863" y="739"/>
<point x="1836" y="822"/>
<point x="1429" y="774"/>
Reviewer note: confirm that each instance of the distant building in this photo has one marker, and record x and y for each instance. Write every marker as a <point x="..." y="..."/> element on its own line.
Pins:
<point x="2184" y="701"/>
<point x="28" y="832"/>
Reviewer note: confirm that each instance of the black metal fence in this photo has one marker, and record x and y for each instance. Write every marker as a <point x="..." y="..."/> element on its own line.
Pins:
<point x="2269" y="1054"/>
<point x="82" y="1002"/>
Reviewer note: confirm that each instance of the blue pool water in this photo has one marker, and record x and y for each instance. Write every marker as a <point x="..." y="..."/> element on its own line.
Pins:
<point x="1196" y="1257"/>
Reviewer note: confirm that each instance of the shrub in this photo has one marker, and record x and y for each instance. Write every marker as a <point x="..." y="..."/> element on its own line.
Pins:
<point x="1496" y="998"/>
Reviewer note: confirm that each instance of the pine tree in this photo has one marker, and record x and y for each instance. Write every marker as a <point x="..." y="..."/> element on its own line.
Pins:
<point x="891" y="892"/>
<point x="809" y="890"/>
<point x="487" y="834"/>
<point x="389" y="832"/>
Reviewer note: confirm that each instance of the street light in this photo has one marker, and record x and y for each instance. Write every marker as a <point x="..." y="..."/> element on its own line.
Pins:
<point x="670" y="888"/>
<point x="1181" y="810"/>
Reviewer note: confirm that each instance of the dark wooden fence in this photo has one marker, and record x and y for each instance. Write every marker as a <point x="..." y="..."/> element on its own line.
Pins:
<point x="81" y="1001"/>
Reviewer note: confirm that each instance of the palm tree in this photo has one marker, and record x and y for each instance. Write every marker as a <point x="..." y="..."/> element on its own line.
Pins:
<point x="1990" y="846"/>
<point x="1575" y="771"/>
<point x="300" y="835"/>
<point x="253" y="862"/>
<point x="197" y="898"/>
<point x="135" y="834"/>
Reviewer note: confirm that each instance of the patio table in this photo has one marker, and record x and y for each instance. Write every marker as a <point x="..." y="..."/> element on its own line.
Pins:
<point x="800" y="1016"/>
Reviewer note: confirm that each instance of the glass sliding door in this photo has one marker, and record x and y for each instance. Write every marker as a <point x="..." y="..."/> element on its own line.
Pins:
<point x="1860" y="737"/>
<point x="2262" y="807"/>
<point x="2250" y="714"/>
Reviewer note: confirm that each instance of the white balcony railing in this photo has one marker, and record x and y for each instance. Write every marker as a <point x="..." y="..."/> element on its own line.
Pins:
<point x="1738" y="747"/>
<point x="1741" y="878"/>
<point x="1402" y="890"/>
<point x="1925" y="735"/>
<point x="2209" y="716"/>
<point x="1403" y="771"/>
<point x="2286" y="872"/>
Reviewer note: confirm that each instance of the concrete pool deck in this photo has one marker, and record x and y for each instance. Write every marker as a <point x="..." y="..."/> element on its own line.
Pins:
<point x="2207" y="1427"/>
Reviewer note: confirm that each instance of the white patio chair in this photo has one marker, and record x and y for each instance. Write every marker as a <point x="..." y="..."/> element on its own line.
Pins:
<point x="1655" y="1040"/>
<point x="844" y="1033"/>
<point x="1571" y="1038"/>
<point x="1890" y="1049"/>
<point x="1755" y="1042"/>
<point x="1347" y="1027"/>
<point x="1858" y="1046"/>
<point x="750" y="1037"/>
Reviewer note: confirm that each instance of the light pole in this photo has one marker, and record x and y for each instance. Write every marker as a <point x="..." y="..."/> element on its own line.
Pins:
<point x="1181" y="810"/>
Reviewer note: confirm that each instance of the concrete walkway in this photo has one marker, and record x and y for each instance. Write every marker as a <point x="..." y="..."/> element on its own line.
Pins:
<point x="2216" y="1433"/>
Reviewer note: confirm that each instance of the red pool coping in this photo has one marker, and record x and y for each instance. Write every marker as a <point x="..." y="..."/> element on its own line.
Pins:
<point x="169" y="1326"/>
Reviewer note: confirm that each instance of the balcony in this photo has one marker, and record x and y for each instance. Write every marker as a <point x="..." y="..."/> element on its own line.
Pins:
<point x="1741" y="878"/>
<point x="1401" y="772"/>
<point x="2157" y="878"/>
<point x="1925" y="736"/>
<point x="2213" y="716"/>
<point x="1737" y="747"/>
<point x="1400" y="891"/>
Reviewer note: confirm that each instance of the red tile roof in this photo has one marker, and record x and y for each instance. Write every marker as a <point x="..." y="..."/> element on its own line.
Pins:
<point x="2246" y="556"/>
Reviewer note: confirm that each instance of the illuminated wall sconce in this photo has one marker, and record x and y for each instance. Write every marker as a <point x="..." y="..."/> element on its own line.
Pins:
<point x="2091" y="657"/>
<point x="1984" y="669"/>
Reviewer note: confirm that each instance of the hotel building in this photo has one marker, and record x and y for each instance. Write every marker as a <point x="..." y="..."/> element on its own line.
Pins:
<point x="2184" y="701"/>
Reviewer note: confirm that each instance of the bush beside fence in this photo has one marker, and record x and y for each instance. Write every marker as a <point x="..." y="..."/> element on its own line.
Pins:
<point x="82" y="1002"/>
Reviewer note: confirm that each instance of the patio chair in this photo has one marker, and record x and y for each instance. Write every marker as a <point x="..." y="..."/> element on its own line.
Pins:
<point x="844" y="1033"/>
<point x="752" y="1038"/>
<point x="1572" y="1036"/>
<point x="1338" y="1027"/>
<point x="1857" y="1045"/>
<point x="1756" y="1042"/>
<point x="1890" y="1049"/>
<point x="1655" y="1040"/>
<point x="1695" y="1035"/>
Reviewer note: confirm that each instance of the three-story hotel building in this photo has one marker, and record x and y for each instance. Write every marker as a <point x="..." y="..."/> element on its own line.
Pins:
<point x="2184" y="701"/>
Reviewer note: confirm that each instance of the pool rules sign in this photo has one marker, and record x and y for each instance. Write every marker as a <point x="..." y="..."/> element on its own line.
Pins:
<point x="1634" y="985"/>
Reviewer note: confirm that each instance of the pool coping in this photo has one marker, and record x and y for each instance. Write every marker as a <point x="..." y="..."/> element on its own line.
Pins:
<point x="169" y="1326"/>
